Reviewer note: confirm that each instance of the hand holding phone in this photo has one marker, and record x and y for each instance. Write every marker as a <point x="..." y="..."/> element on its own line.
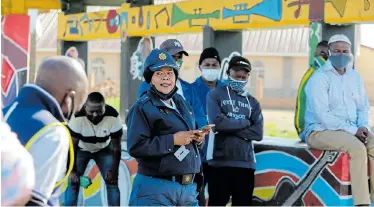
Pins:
<point x="206" y="129"/>
<point x="199" y="136"/>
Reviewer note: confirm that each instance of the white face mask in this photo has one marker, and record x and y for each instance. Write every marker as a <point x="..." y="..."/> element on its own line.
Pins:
<point x="210" y="74"/>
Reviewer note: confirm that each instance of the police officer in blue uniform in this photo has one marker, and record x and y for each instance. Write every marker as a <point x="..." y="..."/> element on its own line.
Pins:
<point x="162" y="137"/>
<point x="185" y="89"/>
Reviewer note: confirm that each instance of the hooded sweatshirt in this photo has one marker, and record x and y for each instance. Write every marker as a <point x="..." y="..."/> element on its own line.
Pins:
<point x="238" y="120"/>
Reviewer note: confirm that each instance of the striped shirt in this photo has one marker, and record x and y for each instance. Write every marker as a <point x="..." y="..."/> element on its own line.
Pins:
<point x="335" y="102"/>
<point x="94" y="137"/>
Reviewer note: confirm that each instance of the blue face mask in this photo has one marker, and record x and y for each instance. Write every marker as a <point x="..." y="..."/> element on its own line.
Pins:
<point x="237" y="85"/>
<point x="179" y="63"/>
<point x="340" y="62"/>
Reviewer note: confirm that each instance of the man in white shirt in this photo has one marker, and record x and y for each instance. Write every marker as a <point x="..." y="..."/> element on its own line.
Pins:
<point x="337" y="116"/>
<point x="97" y="130"/>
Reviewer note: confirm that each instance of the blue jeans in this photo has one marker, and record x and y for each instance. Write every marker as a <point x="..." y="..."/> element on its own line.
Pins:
<point x="149" y="191"/>
<point x="103" y="160"/>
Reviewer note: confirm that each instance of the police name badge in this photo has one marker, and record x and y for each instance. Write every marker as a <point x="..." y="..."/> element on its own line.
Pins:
<point x="181" y="153"/>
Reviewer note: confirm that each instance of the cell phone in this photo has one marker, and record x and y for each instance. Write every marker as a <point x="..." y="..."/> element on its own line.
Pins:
<point x="209" y="126"/>
<point x="85" y="181"/>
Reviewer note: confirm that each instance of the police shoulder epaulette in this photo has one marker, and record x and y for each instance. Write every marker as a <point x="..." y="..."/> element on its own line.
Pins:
<point x="144" y="99"/>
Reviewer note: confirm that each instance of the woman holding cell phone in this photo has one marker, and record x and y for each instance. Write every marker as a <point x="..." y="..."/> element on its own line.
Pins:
<point x="162" y="136"/>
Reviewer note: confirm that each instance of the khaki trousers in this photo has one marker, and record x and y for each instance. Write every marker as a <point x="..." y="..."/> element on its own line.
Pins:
<point x="359" y="154"/>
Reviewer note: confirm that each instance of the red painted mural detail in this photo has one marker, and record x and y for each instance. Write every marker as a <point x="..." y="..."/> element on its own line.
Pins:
<point x="14" y="51"/>
<point x="311" y="200"/>
<point x="340" y="169"/>
<point x="16" y="28"/>
<point x="7" y="74"/>
<point x="316" y="153"/>
<point x="132" y="165"/>
<point x="272" y="178"/>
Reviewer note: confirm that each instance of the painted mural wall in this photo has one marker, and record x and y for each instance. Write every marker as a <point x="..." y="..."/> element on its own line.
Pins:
<point x="95" y="194"/>
<point x="300" y="176"/>
<point x="14" y="55"/>
<point x="190" y="16"/>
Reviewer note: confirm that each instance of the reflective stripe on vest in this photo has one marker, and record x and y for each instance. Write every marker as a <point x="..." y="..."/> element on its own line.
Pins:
<point x="71" y="149"/>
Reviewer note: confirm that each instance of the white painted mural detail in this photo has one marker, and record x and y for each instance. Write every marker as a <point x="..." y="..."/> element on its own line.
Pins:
<point x="145" y="47"/>
<point x="225" y="65"/>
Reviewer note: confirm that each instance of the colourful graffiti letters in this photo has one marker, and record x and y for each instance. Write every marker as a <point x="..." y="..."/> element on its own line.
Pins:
<point x="178" y="15"/>
<point x="271" y="9"/>
<point x="163" y="10"/>
<point x="192" y="15"/>
<point x="366" y="5"/>
<point x="339" y="5"/>
<point x="115" y="20"/>
<point x="316" y="8"/>
<point x="298" y="3"/>
<point x="112" y="21"/>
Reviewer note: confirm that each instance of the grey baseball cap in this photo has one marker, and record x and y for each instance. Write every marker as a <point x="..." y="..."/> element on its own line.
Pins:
<point x="172" y="46"/>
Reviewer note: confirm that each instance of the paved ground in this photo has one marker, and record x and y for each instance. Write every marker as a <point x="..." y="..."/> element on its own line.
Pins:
<point x="284" y="119"/>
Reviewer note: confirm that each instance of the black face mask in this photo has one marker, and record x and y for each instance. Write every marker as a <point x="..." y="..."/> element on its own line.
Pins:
<point x="68" y="115"/>
<point x="95" y="119"/>
<point x="164" y="96"/>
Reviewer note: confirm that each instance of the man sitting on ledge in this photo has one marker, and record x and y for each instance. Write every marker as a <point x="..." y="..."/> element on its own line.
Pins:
<point x="337" y="113"/>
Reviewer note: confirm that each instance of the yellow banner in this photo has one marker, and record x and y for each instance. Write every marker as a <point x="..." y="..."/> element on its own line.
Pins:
<point x="192" y="15"/>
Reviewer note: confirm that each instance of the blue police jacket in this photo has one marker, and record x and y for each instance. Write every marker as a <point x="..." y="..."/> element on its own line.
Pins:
<point x="191" y="97"/>
<point x="33" y="111"/>
<point x="202" y="89"/>
<point x="151" y="127"/>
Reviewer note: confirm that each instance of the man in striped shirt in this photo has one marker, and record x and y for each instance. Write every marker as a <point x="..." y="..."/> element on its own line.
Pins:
<point x="97" y="130"/>
<point x="337" y="116"/>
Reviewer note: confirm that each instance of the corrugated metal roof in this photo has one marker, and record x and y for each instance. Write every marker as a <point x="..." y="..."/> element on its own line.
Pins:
<point x="276" y="41"/>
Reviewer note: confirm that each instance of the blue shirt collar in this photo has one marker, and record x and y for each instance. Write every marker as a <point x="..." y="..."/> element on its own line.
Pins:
<point x="36" y="96"/>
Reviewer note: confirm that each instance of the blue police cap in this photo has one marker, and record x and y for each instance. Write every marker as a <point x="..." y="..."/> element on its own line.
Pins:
<point x="158" y="59"/>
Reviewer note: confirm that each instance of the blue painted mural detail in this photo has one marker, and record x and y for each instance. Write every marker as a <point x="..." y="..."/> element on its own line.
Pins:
<point x="271" y="9"/>
<point x="294" y="166"/>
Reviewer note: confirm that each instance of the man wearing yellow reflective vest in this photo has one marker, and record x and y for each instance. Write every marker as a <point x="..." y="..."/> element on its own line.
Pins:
<point x="320" y="57"/>
<point x="37" y="116"/>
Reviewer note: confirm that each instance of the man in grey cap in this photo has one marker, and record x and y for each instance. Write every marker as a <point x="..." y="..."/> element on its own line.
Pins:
<point x="175" y="48"/>
<point x="337" y="116"/>
<point x="185" y="89"/>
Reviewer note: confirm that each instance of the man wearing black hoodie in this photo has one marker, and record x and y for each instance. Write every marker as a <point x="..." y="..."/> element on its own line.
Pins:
<point x="238" y="120"/>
